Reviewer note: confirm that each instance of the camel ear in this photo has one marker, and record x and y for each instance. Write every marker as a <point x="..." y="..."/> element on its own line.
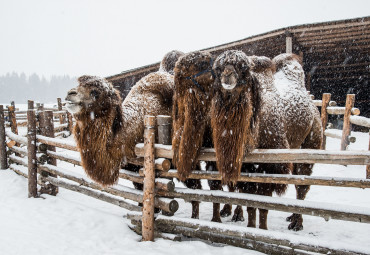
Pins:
<point x="261" y="64"/>
<point x="84" y="78"/>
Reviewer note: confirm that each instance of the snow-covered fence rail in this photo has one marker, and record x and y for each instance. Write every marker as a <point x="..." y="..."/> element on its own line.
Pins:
<point x="63" y="119"/>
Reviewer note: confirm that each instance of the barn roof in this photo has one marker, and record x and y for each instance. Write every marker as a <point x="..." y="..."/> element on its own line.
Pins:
<point x="335" y="57"/>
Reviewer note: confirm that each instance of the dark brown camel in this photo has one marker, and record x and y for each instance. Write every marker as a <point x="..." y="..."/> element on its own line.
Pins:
<point x="191" y="104"/>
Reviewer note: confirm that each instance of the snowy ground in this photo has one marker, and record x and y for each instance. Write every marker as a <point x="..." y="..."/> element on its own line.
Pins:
<point x="71" y="223"/>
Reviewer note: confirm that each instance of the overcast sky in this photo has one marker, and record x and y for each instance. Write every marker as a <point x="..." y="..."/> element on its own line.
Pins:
<point x="105" y="37"/>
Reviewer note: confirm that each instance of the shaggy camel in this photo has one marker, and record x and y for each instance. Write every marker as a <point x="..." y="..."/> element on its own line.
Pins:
<point x="253" y="108"/>
<point x="106" y="129"/>
<point x="191" y="103"/>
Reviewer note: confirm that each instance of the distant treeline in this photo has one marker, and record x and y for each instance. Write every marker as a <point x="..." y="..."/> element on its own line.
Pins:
<point x="20" y="87"/>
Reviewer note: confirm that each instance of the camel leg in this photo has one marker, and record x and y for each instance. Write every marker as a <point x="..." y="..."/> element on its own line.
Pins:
<point x="312" y="141"/>
<point x="250" y="188"/>
<point x="264" y="190"/>
<point x="238" y="214"/>
<point x="194" y="184"/>
<point x="251" y="217"/>
<point x="226" y="210"/>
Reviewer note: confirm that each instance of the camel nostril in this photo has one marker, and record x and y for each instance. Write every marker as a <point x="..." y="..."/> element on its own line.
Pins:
<point x="72" y="93"/>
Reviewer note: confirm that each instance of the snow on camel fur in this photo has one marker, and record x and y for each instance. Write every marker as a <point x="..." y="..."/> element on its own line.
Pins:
<point x="193" y="80"/>
<point x="106" y="129"/>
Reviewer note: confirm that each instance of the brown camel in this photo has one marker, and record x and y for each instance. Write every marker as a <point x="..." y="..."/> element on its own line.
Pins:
<point x="253" y="108"/>
<point x="108" y="129"/>
<point x="191" y="103"/>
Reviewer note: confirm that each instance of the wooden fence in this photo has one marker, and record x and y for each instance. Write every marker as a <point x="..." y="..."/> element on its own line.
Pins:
<point x="38" y="162"/>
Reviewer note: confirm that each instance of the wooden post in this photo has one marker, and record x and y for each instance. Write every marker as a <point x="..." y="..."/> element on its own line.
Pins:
<point x="47" y="129"/>
<point x="350" y="101"/>
<point x="164" y="129"/>
<point x="3" y="156"/>
<point x="288" y="42"/>
<point x="164" y="124"/>
<point x="70" y="122"/>
<point x="30" y="105"/>
<point x="149" y="180"/>
<point x="368" y="166"/>
<point x="324" y="115"/>
<point x="13" y="119"/>
<point x="31" y="148"/>
<point x="60" y="108"/>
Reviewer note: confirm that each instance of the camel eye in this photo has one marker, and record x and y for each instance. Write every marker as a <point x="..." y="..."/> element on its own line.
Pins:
<point x="94" y="94"/>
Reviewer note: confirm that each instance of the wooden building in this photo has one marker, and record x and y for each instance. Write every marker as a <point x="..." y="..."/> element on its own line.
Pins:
<point x="335" y="57"/>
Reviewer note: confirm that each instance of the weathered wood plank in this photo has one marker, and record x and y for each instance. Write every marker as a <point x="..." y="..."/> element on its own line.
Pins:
<point x="308" y="156"/>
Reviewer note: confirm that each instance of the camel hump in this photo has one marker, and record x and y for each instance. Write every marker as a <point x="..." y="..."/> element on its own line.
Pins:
<point x="159" y="83"/>
<point x="169" y="60"/>
<point x="285" y="59"/>
<point x="261" y="64"/>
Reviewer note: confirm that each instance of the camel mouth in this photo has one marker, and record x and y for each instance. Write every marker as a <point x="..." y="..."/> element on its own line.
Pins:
<point x="228" y="86"/>
<point x="73" y="107"/>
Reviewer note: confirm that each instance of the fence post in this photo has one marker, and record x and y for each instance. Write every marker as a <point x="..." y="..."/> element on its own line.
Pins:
<point x="31" y="148"/>
<point x="350" y="101"/>
<point x="13" y="119"/>
<point x="47" y="129"/>
<point x="60" y="108"/>
<point x="324" y="116"/>
<point x="164" y="129"/>
<point x="149" y="180"/>
<point x="3" y="158"/>
<point x="30" y="105"/>
<point x="70" y="122"/>
<point x="368" y="166"/>
<point x="164" y="125"/>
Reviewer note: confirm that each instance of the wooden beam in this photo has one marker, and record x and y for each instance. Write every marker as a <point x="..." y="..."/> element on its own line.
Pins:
<point x="57" y="143"/>
<point x="3" y="156"/>
<point x="308" y="156"/>
<point x="270" y="242"/>
<point x="93" y="193"/>
<point x="278" y="178"/>
<point x="149" y="179"/>
<point x="350" y="101"/>
<point x="325" y="210"/>
<point x="31" y="148"/>
<point x="336" y="110"/>
<point x="324" y="115"/>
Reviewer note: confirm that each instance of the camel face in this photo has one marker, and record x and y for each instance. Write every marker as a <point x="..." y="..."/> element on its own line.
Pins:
<point x="232" y="72"/>
<point x="76" y="97"/>
<point x="229" y="77"/>
<point x="92" y="95"/>
<point x="197" y="68"/>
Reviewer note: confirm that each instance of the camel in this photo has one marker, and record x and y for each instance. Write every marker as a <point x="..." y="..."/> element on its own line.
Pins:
<point x="108" y="129"/>
<point x="191" y="124"/>
<point x="256" y="107"/>
<point x="169" y="60"/>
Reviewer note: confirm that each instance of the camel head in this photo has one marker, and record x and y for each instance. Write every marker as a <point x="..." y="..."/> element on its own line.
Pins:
<point x="93" y="97"/>
<point x="194" y="71"/>
<point x="169" y="60"/>
<point x="233" y="73"/>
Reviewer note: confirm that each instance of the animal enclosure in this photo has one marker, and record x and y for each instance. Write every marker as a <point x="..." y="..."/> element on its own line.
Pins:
<point x="38" y="162"/>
